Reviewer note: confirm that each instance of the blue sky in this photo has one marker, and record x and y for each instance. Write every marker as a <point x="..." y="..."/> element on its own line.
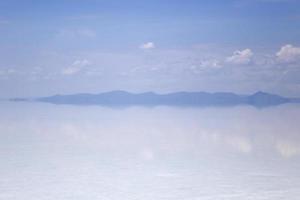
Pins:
<point x="70" y="46"/>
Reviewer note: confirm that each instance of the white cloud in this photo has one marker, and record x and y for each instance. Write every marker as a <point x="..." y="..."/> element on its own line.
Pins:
<point x="241" y="57"/>
<point x="76" y="67"/>
<point x="288" y="54"/>
<point x="213" y="63"/>
<point x="204" y="65"/>
<point x="148" y="45"/>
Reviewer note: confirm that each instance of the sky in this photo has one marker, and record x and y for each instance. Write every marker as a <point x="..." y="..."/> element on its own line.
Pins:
<point x="74" y="46"/>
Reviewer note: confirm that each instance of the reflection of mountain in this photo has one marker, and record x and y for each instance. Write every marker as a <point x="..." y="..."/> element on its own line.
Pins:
<point x="259" y="99"/>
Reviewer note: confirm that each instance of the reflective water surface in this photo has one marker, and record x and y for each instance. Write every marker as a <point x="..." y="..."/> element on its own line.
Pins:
<point x="90" y="152"/>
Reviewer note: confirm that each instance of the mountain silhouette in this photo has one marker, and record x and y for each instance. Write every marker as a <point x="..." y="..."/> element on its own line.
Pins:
<point x="123" y="98"/>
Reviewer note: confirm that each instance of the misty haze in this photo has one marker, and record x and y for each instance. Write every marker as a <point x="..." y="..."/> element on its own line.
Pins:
<point x="92" y="152"/>
<point x="150" y="100"/>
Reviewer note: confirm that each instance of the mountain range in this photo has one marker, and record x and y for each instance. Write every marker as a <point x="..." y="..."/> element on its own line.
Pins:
<point x="123" y="98"/>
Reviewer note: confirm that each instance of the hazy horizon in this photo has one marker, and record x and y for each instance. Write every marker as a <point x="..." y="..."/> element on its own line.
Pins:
<point x="150" y="91"/>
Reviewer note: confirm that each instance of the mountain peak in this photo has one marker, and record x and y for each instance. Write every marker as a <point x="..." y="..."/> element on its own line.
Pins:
<point x="260" y="93"/>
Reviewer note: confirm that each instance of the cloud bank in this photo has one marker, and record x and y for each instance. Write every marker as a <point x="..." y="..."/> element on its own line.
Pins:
<point x="241" y="57"/>
<point x="288" y="54"/>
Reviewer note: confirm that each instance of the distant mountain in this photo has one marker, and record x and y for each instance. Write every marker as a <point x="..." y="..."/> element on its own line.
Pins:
<point x="265" y="99"/>
<point x="123" y="98"/>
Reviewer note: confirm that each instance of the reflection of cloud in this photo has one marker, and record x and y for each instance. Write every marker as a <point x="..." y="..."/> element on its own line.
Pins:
<point x="73" y="132"/>
<point x="287" y="149"/>
<point x="152" y="133"/>
<point x="239" y="143"/>
<point x="167" y="175"/>
<point x="147" y="154"/>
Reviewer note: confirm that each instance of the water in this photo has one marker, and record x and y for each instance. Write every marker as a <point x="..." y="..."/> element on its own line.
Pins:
<point x="90" y="152"/>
